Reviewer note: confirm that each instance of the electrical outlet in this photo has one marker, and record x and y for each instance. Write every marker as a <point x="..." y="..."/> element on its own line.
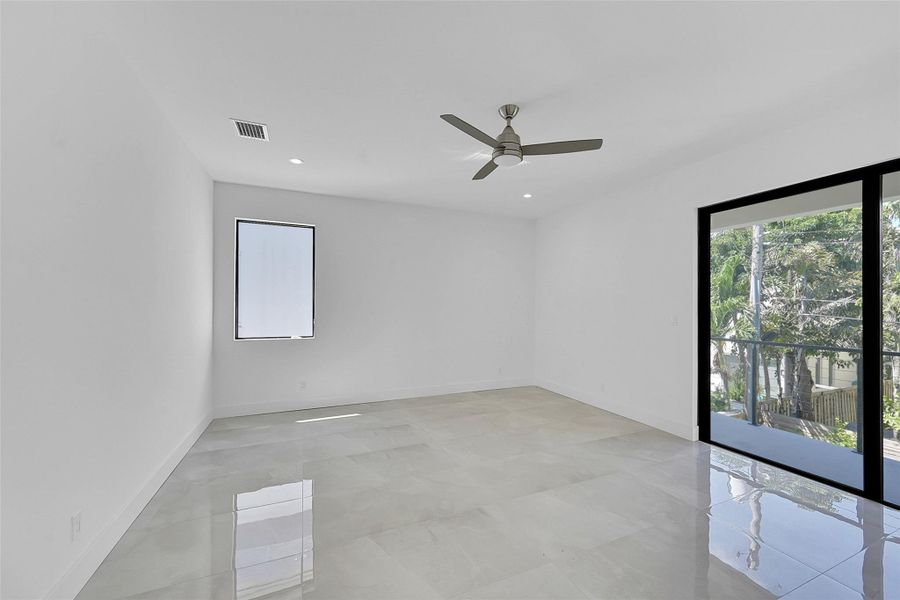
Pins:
<point x="75" y="526"/>
<point x="303" y="385"/>
<point x="500" y="371"/>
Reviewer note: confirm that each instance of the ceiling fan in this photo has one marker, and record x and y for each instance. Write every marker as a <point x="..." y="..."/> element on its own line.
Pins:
<point x="507" y="147"/>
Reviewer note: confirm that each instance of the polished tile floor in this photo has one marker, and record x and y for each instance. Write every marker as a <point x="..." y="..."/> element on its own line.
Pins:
<point x="517" y="493"/>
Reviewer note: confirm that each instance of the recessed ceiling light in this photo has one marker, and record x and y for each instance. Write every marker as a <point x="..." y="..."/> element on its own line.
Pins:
<point x="526" y="195"/>
<point x="296" y="161"/>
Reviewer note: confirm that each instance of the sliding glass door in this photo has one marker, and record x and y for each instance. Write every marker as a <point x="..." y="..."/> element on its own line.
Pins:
<point x="786" y="330"/>
<point x="890" y="392"/>
<point x="792" y="365"/>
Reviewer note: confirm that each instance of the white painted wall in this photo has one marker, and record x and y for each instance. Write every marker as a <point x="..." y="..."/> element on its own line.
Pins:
<point x="410" y="301"/>
<point x="107" y="287"/>
<point x="605" y="268"/>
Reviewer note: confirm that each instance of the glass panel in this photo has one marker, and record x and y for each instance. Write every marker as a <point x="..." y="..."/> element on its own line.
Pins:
<point x="273" y="541"/>
<point x="274" y="280"/>
<point x="786" y="331"/>
<point x="890" y="265"/>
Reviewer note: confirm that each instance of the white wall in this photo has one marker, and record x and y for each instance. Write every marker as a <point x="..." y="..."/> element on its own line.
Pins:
<point x="410" y="301"/>
<point x="615" y="305"/>
<point x="107" y="287"/>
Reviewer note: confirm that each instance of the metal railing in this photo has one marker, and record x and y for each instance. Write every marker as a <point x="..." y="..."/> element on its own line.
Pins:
<point x="753" y="393"/>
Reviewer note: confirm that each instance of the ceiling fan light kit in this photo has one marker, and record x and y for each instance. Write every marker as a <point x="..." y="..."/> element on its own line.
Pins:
<point x="507" y="147"/>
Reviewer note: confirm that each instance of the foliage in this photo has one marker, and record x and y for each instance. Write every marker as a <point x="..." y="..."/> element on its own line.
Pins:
<point x="737" y="390"/>
<point x="841" y="436"/>
<point x="891" y="413"/>
<point x="718" y="402"/>
<point x="811" y="284"/>
<point x="890" y="260"/>
<point x="890" y="243"/>
<point x="813" y="279"/>
<point x="810" y="276"/>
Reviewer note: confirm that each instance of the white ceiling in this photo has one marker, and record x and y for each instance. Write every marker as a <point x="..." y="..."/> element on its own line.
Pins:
<point x="355" y="89"/>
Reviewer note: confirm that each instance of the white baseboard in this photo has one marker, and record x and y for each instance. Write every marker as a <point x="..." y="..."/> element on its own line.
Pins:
<point x="241" y="410"/>
<point x="84" y="566"/>
<point x="687" y="431"/>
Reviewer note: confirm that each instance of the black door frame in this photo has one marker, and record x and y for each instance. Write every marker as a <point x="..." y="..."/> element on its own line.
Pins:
<point x="870" y="382"/>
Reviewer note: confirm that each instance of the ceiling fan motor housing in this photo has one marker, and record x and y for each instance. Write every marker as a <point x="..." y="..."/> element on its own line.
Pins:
<point x="507" y="157"/>
<point x="509" y="147"/>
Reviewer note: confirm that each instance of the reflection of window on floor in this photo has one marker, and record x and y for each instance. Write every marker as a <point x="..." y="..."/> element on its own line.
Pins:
<point x="763" y="497"/>
<point x="273" y="539"/>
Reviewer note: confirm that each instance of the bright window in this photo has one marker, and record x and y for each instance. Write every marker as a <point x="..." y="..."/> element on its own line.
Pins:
<point x="274" y="280"/>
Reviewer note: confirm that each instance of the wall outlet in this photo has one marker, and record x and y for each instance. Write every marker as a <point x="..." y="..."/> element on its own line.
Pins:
<point x="75" y="526"/>
<point x="500" y="371"/>
<point x="303" y="385"/>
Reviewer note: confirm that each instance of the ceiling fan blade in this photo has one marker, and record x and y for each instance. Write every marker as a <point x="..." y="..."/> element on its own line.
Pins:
<point x="470" y="129"/>
<point x="485" y="170"/>
<point x="561" y="147"/>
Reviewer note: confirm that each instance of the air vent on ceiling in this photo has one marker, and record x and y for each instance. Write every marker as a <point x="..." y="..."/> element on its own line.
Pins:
<point x="254" y="131"/>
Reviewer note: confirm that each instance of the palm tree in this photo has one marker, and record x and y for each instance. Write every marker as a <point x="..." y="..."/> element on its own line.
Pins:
<point x="727" y="305"/>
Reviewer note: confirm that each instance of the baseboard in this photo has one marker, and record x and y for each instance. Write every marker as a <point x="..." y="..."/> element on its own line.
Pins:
<point x="242" y="410"/>
<point x="84" y="566"/>
<point x="683" y="430"/>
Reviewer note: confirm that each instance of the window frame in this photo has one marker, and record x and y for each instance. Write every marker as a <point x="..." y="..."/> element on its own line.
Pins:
<point x="237" y="222"/>
<point x="873" y="455"/>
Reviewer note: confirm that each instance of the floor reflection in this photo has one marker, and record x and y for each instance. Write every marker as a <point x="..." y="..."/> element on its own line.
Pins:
<point x="784" y="521"/>
<point x="273" y="539"/>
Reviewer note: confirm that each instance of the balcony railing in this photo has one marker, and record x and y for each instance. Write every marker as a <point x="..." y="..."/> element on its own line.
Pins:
<point x="824" y="407"/>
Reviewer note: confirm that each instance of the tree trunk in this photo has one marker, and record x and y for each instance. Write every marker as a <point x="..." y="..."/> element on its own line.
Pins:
<point x="804" y="388"/>
<point x="895" y="374"/>
<point x="788" y="374"/>
<point x="746" y="357"/>
<point x="755" y="350"/>
<point x="778" y="378"/>
<point x="895" y="361"/>
<point x="722" y="368"/>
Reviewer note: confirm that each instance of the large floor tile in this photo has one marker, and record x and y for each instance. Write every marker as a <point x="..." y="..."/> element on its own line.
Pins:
<point x="340" y="474"/>
<point x="708" y="560"/>
<point x="874" y="572"/>
<point x="488" y="423"/>
<point x="557" y="527"/>
<point x="475" y="449"/>
<point x="276" y="580"/>
<point x="815" y="534"/>
<point x="299" y="426"/>
<point x="632" y="451"/>
<point x="391" y="436"/>
<point x="540" y="583"/>
<point x="281" y="458"/>
<point x="361" y="570"/>
<point x="405" y="460"/>
<point x="459" y="553"/>
<point x="180" y="499"/>
<point x="695" y="481"/>
<point x="824" y="588"/>
<point x="147" y="559"/>
<point x="629" y="497"/>
<point x="343" y="516"/>
<point x="513" y="493"/>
